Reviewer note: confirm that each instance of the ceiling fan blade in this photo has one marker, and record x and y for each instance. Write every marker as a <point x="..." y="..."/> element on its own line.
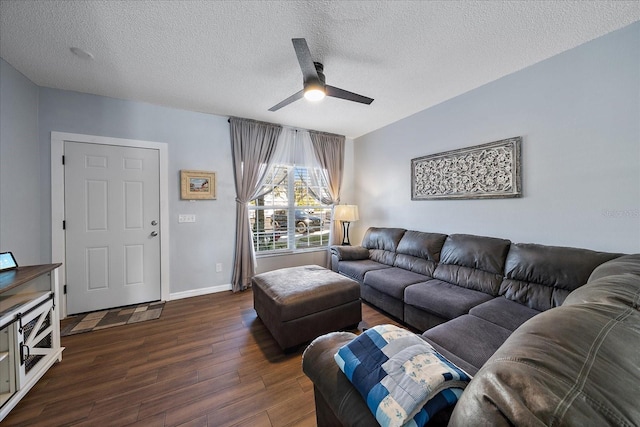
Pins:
<point x="288" y="101"/>
<point x="345" y="94"/>
<point x="304" y="58"/>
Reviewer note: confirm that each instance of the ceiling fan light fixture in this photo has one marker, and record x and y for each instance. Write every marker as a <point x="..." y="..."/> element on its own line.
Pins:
<point x="314" y="86"/>
<point x="314" y="92"/>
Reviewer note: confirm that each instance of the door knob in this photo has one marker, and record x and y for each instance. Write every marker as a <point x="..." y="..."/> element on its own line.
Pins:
<point x="154" y="222"/>
<point x="154" y="233"/>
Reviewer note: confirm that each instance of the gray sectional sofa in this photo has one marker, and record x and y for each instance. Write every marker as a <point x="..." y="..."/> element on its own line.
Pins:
<point x="468" y="294"/>
<point x="482" y="287"/>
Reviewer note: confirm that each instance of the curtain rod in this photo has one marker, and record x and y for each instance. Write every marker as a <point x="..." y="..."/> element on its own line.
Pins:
<point x="284" y="126"/>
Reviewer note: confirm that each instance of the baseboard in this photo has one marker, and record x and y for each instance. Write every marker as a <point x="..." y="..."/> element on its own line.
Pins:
<point x="198" y="292"/>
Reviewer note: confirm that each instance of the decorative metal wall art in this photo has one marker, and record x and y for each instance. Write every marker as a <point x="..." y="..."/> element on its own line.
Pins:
<point x="487" y="171"/>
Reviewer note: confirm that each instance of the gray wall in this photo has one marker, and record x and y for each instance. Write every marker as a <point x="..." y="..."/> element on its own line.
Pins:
<point x="28" y="115"/>
<point x="19" y="167"/>
<point x="195" y="141"/>
<point x="579" y="116"/>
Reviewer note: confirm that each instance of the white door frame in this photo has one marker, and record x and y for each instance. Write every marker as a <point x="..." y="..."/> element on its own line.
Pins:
<point x="58" y="243"/>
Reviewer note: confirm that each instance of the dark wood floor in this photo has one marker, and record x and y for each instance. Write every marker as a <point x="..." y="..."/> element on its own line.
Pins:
<point x="208" y="361"/>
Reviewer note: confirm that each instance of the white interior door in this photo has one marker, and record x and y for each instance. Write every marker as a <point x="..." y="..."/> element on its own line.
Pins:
<point x="112" y="209"/>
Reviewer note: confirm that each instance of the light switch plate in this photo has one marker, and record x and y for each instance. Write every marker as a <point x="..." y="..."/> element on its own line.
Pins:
<point x="186" y="218"/>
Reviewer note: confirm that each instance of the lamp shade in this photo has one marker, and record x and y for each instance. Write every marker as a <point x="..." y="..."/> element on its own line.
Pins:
<point x="346" y="213"/>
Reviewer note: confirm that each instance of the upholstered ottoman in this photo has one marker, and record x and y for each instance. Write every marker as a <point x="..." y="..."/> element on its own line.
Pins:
<point x="299" y="304"/>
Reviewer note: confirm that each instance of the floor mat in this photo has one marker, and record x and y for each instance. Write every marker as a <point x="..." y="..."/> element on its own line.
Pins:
<point x="97" y="320"/>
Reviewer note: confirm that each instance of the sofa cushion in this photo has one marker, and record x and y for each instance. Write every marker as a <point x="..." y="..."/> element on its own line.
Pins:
<point x="419" y="319"/>
<point x="415" y="264"/>
<point x="470" y="338"/>
<point x="473" y="262"/>
<point x="504" y="312"/>
<point x="382" y="238"/>
<point x="626" y="264"/>
<point x="621" y="289"/>
<point x="541" y="276"/>
<point x="453" y="358"/>
<point x="571" y="365"/>
<point x="422" y="245"/>
<point x="443" y="299"/>
<point x="357" y="269"/>
<point x="385" y="302"/>
<point x="419" y="252"/>
<point x="392" y="281"/>
<point x="382" y="243"/>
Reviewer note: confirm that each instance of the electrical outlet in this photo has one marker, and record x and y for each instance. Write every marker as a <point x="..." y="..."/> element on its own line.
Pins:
<point x="186" y="218"/>
<point x="218" y="267"/>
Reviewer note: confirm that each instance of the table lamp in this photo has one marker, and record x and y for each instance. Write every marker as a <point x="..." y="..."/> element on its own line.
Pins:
<point x="346" y="214"/>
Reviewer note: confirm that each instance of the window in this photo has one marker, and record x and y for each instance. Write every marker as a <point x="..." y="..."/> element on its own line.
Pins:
<point x="290" y="216"/>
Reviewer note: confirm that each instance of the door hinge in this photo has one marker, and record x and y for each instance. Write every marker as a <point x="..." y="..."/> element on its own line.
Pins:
<point x="63" y="160"/>
<point x="64" y="289"/>
<point x="64" y="225"/>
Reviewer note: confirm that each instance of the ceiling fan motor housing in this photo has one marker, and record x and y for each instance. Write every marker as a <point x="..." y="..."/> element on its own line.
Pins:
<point x="321" y="79"/>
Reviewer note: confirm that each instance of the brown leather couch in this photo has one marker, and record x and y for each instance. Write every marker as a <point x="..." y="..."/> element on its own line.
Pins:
<point x="471" y="293"/>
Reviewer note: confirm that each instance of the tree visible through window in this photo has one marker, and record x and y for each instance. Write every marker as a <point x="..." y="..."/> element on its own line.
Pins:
<point x="290" y="215"/>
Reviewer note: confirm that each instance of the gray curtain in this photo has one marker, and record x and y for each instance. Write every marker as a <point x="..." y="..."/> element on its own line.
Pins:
<point x="252" y="146"/>
<point x="329" y="150"/>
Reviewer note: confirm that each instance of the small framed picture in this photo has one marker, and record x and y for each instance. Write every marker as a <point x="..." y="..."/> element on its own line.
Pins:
<point x="197" y="185"/>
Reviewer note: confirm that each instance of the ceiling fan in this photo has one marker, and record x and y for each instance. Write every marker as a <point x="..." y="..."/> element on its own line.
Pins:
<point x="313" y="79"/>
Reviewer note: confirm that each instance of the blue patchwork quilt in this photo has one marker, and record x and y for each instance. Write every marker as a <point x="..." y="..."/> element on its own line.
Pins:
<point x="404" y="380"/>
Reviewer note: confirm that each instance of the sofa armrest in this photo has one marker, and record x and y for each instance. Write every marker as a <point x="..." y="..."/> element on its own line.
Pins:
<point x="338" y="402"/>
<point x="349" y="253"/>
<point x="340" y="397"/>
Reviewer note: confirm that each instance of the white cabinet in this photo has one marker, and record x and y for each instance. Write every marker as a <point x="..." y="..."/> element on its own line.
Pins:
<point x="29" y="330"/>
<point x="7" y="365"/>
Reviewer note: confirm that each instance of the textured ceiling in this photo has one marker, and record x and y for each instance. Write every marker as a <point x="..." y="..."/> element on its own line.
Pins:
<point x="235" y="58"/>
